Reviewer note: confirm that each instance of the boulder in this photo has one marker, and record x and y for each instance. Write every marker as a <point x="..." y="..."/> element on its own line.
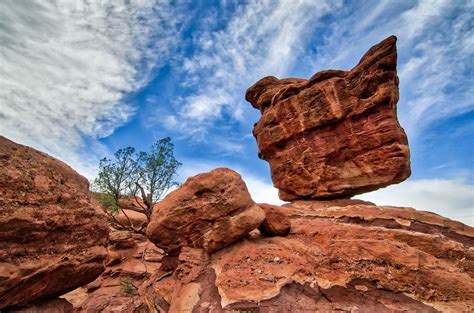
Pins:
<point x="53" y="235"/>
<point x="276" y="222"/>
<point x="209" y="211"/>
<point x="336" y="134"/>
<point x="133" y="219"/>
<point x="357" y="257"/>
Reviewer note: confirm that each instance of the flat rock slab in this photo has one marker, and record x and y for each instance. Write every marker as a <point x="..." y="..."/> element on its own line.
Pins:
<point x="209" y="211"/>
<point x="53" y="235"/>
<point x="336" y="134"/>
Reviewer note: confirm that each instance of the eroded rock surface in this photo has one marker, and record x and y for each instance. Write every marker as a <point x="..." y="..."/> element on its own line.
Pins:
<point x="47" y="306"/>
<point x="336" y="134"/>
<point x="354" y="257"/>
<point x="276" y="222"/>
<point x="132" y="260"/>
<point x="208" y="211"/>
<point x="53" y="235"/>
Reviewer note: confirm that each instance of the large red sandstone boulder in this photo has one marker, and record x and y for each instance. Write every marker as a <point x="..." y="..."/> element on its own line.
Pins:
<point x="53" y="237"/>
<point x="336" y="134"/>
<point x="209" y="211"/>
<point x="339" y="256"/>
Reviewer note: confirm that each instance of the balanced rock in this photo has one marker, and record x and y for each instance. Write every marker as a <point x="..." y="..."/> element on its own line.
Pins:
<point x="357" y="257"/>
<point x="208" y="211"/>
<point x="53" y="235"/>
<point x="276" y="222"/>
<point x="336" y="134"/>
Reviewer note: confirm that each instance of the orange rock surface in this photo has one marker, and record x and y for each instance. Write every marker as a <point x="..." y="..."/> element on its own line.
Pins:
<point x="53" y="235"/>
<point x="336" y="134"/>
<point x="354" y="257"/>
<point x="276" y="222"/>
<point x="209" y="211"/>
<point x="132" y="260"/>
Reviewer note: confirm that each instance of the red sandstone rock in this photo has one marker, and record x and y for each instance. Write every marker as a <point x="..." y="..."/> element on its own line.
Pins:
<point x="132" y="260"/>
<point x="47" y="306"/>
<point x="208" y="211"/>
<point x="355" y="257"/>
<point x="131" y="218"/>
<point x="336" y="134"/>
<point x="276" y="222"/>
<point x="52" y="233"/>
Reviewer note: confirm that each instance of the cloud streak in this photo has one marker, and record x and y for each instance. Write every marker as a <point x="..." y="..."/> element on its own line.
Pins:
<point x="261" y="38"/>
<point x="68" y="65"/>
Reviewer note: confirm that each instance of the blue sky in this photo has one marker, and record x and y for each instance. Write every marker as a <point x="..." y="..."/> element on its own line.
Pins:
<point x="81" y="79"/>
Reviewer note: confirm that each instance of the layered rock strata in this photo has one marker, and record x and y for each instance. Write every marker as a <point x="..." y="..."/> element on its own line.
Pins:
<point x="209" y="211"/>
<point x="53" y="235"/>
<point x="132" y="260"/>
<point x="350" y="256"/>
<point x="336" y="134"/>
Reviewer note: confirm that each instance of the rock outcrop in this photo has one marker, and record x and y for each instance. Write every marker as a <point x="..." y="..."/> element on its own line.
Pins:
<point x="53" y="236"/>
<point x="336" y="134"/>
<point x="208" y="211"/>
<point x="47" y="306"/>
<point x="132" y="260"/>
<point x="348" y="256"/>
<point x="276" y="222"/>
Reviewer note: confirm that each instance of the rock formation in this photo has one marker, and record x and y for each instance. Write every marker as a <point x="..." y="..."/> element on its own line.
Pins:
<point x="52" y="234"/>
<point x="132" y="260"/>
<point x="276" y="223"/>
<point x="332" y="136"/>
<point x="208" y="211"/>
<point x="349" y="256"/>
<point x="336" y="134"/>
<point x="58" y="305"/>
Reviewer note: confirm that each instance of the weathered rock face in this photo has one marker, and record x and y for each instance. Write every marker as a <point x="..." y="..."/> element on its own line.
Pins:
<point x="354" y="257"/>
<point x="336" y="134"/>
<point x="47" y="306"/>
<point x="208" y="211"/>
<point x="134" y="219"/>
<point x="53" y="237"/>
<point x="276" y="222"/>
<point x="132" y="259"/>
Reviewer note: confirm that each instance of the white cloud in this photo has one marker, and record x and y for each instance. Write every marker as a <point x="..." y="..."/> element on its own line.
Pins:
<point x="451" y="198"/>
<point x="261" y="191"/>
<point x="261" y="38"/>
<point x="67" y="65"/>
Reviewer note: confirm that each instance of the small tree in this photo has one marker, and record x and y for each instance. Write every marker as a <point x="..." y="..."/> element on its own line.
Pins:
<point x="144" y="177"/>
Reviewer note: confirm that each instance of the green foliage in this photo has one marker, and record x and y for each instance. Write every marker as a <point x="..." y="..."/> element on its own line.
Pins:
<point x="108" y="202"/>
<point x="148" y="175"/>
<point x="127" y="285"/>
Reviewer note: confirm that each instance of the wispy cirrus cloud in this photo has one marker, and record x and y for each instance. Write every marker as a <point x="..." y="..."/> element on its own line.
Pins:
<point x="66" y="67"/>
<point x="261" y="38"/>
